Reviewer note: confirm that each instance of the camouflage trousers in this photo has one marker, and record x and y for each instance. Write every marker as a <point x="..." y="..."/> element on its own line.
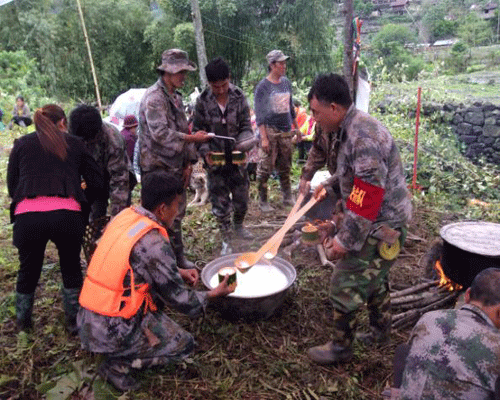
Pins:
<point x="164" y="343"/>
<point x="228" y="191"/>
<point x="360" y="278"/>
<point x="279" y="157"/>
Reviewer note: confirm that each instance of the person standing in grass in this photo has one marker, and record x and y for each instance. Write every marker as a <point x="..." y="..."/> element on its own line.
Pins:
<point x="48" y="203"/>
<point x="165" y="141"/>
<point x="275" y="117"/>
<point x="367" y="172"/>
<point x="223" y="108"/>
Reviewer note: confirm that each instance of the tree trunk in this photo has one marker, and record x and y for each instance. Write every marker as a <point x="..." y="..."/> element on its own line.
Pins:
<point x="348" y="44"/>
<point x="200" y="41"/>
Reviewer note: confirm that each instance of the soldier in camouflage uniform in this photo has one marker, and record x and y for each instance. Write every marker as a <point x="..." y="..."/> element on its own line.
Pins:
<point x="108" y="149"/>
<point x="275" y="117"/>
<point x="455" y="354"/>
<point x="165" y="142"/>
<point x="149" y="337"/>
<point x="222" y="108"/>
<point x="367" y="173"/>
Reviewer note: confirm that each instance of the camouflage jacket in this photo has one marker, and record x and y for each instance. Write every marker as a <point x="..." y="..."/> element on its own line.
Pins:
<point x="455" y="354"/>
<point x="153" y="261"/>
<point x="207" y="114"/>
<point x="108" y="149"/>
<point x="162" y="127"/>
<point x="365" y="164"/>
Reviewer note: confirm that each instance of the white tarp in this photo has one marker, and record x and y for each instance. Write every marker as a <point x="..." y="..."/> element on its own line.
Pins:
<point x="2" y="2"/>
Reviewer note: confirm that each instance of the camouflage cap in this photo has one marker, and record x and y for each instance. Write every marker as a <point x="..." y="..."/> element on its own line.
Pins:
<point x="175" y="60"/>
<point x="276" y="55"/>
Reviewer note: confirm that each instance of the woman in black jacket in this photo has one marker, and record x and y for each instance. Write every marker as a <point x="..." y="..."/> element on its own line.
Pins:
<point x="44" y="179"/>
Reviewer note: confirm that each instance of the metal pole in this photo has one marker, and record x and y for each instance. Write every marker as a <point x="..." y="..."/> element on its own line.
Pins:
<point x="415" y="150"/>
<point x="96" y="85"/>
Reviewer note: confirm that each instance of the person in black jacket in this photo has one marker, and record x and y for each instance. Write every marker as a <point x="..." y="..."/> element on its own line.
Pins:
<point x="44" y="179"/>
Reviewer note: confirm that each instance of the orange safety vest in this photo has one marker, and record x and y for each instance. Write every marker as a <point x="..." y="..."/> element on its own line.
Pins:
<point x="103" y="291"/>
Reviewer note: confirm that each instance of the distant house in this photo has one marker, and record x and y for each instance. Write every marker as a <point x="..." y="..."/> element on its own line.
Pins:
<point x="444" y="43"/>
<point x="381" y="3"/>
<point x="398" y="6"/>
<point x="489" y="10"/>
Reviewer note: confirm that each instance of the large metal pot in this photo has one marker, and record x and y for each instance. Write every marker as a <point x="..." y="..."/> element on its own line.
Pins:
<point x="468" y="248"/>
<point x="249" y="307"/>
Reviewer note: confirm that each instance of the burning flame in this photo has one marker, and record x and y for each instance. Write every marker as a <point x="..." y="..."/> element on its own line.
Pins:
<point x="444" y="281"/>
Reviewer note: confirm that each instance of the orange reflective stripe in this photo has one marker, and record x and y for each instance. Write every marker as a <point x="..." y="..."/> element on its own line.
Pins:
<point x="103" y="291"/>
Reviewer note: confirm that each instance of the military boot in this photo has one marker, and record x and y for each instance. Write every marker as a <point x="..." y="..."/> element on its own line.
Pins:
<point x="71" y="307"/>
<point x="24" y="309"/>
<point x="286" y="190"/>
<point x="330" y="353"/>
<point x="239" y="230"/>
<point x="374" y="337"/>
<point x="263" y="204"/>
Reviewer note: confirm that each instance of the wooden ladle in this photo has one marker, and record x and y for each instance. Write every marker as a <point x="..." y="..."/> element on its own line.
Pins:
<point x="247" y="260"/>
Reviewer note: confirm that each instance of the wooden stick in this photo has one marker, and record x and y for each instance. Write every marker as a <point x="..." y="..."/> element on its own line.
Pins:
<point x="405" y="321"/>
<point x="411" y="298"/>
<point x="413" y="289"/>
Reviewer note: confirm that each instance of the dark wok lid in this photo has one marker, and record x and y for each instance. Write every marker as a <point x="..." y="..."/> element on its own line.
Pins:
<point x="474" y="236"/>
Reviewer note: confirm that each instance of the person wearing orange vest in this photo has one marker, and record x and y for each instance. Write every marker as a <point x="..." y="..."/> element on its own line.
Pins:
<point x="132" y="274"/>
<point x="307" y="126"/>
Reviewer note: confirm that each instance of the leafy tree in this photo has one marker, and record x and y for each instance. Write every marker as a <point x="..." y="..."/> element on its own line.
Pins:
<point x="474" y="30"/>
<point x="392" y="38"/>
<point x="459" y="57"/>
<point x="363" y="8"/>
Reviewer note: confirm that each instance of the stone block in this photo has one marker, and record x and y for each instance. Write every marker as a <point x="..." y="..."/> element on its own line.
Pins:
<point x="491" y="130"/>
<point x="464" y="129"/>
<point x="468" y="138"/>
<point x="474" y="117"/>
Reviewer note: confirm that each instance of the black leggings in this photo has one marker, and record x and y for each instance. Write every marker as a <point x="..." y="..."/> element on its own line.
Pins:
<point x="33" y="230"/>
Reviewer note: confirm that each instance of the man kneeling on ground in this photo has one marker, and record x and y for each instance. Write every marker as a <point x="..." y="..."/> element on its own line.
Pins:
<point x="132" y="274"/>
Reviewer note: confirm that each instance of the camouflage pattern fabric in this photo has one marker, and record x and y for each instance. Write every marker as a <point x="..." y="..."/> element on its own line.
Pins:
<point x="228" y="188"/>
<point x="454" y="354"/>
<point x="279" y="156"/>
<point x="361" y="278"/>
<point x="236" y="117"/>
<point x="162" y="127"/>
<point x="127" y="342"/>
<point x="364" y="149"/>
<point x="108" y="150"/>
<point x="228" y="185"/>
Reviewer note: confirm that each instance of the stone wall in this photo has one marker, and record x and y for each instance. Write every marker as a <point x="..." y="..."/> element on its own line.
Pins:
<point x="476" y="125"/>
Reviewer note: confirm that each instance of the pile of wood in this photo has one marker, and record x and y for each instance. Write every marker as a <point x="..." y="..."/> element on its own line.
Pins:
<point x="409" y="304"/>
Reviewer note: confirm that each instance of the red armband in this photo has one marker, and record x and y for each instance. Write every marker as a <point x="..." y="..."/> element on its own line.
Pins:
<point x="365" y="199"/>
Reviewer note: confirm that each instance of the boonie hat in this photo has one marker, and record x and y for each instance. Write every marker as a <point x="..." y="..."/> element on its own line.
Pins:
<point x="276" y="55"/>
<point x="130" y="121"/>
<point x="175" y="60"/>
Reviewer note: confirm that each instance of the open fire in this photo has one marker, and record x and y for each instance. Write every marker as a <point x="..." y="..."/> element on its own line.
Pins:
<point x="444" y="281"/>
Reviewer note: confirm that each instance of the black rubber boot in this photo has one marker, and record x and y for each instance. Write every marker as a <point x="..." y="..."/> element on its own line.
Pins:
<point x="263" y="204"/>
<point x="286" y="190"/>
<point x="71" y="307"/>
<point x="239" y="229"/>
<point x="24" y="309"/>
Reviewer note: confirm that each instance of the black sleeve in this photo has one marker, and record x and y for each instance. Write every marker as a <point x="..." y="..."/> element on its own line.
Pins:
<point x="93" y="176"/>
